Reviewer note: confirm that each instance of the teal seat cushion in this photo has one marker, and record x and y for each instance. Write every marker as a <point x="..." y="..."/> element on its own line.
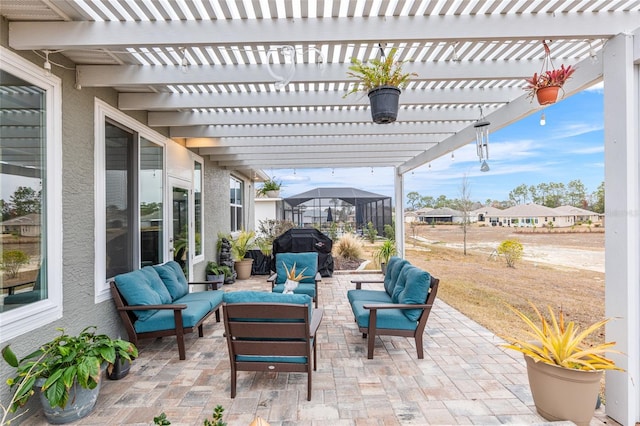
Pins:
<point x="308" y="289"/>
<point x="214" y="298"/>
<point x="264" y="297"/>
<point x="415" y="291"/>
<point x="393" y="270"/>
<point x="176" y="284"/>
<point x="307" y="262"/>
<point x="163" y="319"/>
<point x="377" y="296"/>
<point x="156" y="284"/>
<point x="136" y="290"/>
<point x="386" y="318"/>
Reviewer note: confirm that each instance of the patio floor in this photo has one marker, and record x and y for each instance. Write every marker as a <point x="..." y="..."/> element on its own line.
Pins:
<point x="465" y="378"/>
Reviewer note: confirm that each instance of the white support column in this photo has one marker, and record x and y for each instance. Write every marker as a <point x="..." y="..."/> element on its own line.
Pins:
<point x="622" y="221"/>
<point x="398" y="185"/>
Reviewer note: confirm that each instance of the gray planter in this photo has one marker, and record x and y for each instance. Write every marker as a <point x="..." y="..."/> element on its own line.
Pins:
<point x="80" y="404"/>
<point x="384" y="104"/>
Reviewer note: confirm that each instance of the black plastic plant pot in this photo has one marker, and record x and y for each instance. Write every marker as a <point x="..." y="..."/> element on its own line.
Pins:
<point x="384" y="104"/>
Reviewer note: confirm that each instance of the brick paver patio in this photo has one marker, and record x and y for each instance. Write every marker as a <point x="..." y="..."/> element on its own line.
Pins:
<point x="464" y="379"/>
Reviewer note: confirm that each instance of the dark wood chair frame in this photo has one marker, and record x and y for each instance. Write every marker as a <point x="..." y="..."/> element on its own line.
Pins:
<point x="372" y="331"/>
<point x="271" y="330"/>
<point x="317" y="279"/>
<point x="128" y="318"/>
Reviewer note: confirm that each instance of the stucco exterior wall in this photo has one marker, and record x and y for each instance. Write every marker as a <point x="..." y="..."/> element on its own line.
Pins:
<point x="217" y="215"/>
<point x="79" y="309"/>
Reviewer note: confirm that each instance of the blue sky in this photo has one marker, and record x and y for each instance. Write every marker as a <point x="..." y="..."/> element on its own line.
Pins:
<point x="570" y="146"/>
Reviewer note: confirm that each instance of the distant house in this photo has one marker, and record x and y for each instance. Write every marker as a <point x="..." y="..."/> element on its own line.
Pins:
<point x="580" y="215"/>
<point x="484" y="215"/>
<point x="529" y="216"/>
<point x="25" y="226"/>
<point x="441" y="215"/>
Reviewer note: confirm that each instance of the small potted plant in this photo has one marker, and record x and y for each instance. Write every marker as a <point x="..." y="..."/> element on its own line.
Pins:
<point x="560" y="364"/>
<point x="270" y="188"/>
<point x="546" y="85"/>
<point x="383" y="80"/>
<point x="217" y="273"/>
<point x="240" y="246"/>
<point x="384" y="253"/>
<point x="66" y="372"/>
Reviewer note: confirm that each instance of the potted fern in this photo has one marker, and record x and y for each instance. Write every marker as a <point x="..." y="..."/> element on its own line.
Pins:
<point x="383" y="80"/>
<point x="270" y="188"/>
<point x="66" y="372"/>
<point x="564" y="372"/>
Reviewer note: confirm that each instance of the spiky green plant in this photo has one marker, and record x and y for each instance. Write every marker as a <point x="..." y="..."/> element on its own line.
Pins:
<point x="386" y="71"/>
<point x="562" y="344"/>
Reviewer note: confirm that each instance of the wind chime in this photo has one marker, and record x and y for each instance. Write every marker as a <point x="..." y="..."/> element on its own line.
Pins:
<point x="482" y="141"/>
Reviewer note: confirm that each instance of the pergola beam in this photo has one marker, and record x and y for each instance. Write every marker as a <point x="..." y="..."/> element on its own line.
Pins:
<point x="392" y="29"/>
<point x="342" y="129"/>
<point x="360" y="115"/>
<point x="206" y="144"/>
<point x="139" y="75"/>
<point x="170" y="101"/>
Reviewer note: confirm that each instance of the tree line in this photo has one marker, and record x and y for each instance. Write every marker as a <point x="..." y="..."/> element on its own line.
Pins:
<point x="23" y="201"/>
<point x="552" y="194"/>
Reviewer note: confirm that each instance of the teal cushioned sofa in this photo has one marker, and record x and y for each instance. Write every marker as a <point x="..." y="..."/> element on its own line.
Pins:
<point x="155" y="302"/>
<point x="400" y="309"/>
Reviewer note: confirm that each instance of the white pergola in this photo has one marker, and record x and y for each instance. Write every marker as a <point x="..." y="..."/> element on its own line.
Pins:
<point x="254" y="84"/>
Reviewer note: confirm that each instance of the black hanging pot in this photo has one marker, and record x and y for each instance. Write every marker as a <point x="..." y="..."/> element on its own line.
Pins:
<point x="384" y="104"/>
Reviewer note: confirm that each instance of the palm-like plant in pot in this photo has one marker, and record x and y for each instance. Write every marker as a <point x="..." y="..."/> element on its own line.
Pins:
<point x="382" y="79"/>
<point x="384" y="253"/>
<point x="564" y="372"/>
<point x="60" y="367"/>
<point x="240" y="246"/>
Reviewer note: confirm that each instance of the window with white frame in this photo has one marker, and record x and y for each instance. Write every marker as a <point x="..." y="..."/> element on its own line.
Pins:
<point x="30" y="196"/>
<point x="236" y="203"/>
<point x="130" y="193"/>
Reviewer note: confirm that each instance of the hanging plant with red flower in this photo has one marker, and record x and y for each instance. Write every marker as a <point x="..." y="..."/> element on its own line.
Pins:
<point x="549" y="78"/>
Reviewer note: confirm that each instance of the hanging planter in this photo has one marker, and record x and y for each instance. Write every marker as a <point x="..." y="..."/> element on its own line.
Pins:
<point x="546" y="86"/>
<point x="383" y="80"/>
<point x="548" y="95"/>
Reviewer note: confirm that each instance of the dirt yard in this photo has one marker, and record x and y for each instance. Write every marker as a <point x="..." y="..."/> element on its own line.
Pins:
<point x="559" y="268"/>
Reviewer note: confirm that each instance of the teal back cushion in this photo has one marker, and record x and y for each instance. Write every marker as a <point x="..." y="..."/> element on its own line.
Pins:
<point x="393" y="271"/>
<point x="415" y="291"/>
<point x="401" y="281"/>
<point x="177" y="269"/>
<point x="175" y="286"/>
<point x="136" y="290"/>
<point x="307" y="262"/>
<point x="264" y="297"/>
<point x="156" y="284"/>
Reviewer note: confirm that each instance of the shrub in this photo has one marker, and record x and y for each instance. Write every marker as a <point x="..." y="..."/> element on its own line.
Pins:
<point x="349" y="247"/>
<point x="389" y="232"/>
<point x="271" y="229"/>
<point x="512" y="251"/>
<point x="333" y="231"/>
<point x="371" y="232"/>
<point x="12" y="261"/>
